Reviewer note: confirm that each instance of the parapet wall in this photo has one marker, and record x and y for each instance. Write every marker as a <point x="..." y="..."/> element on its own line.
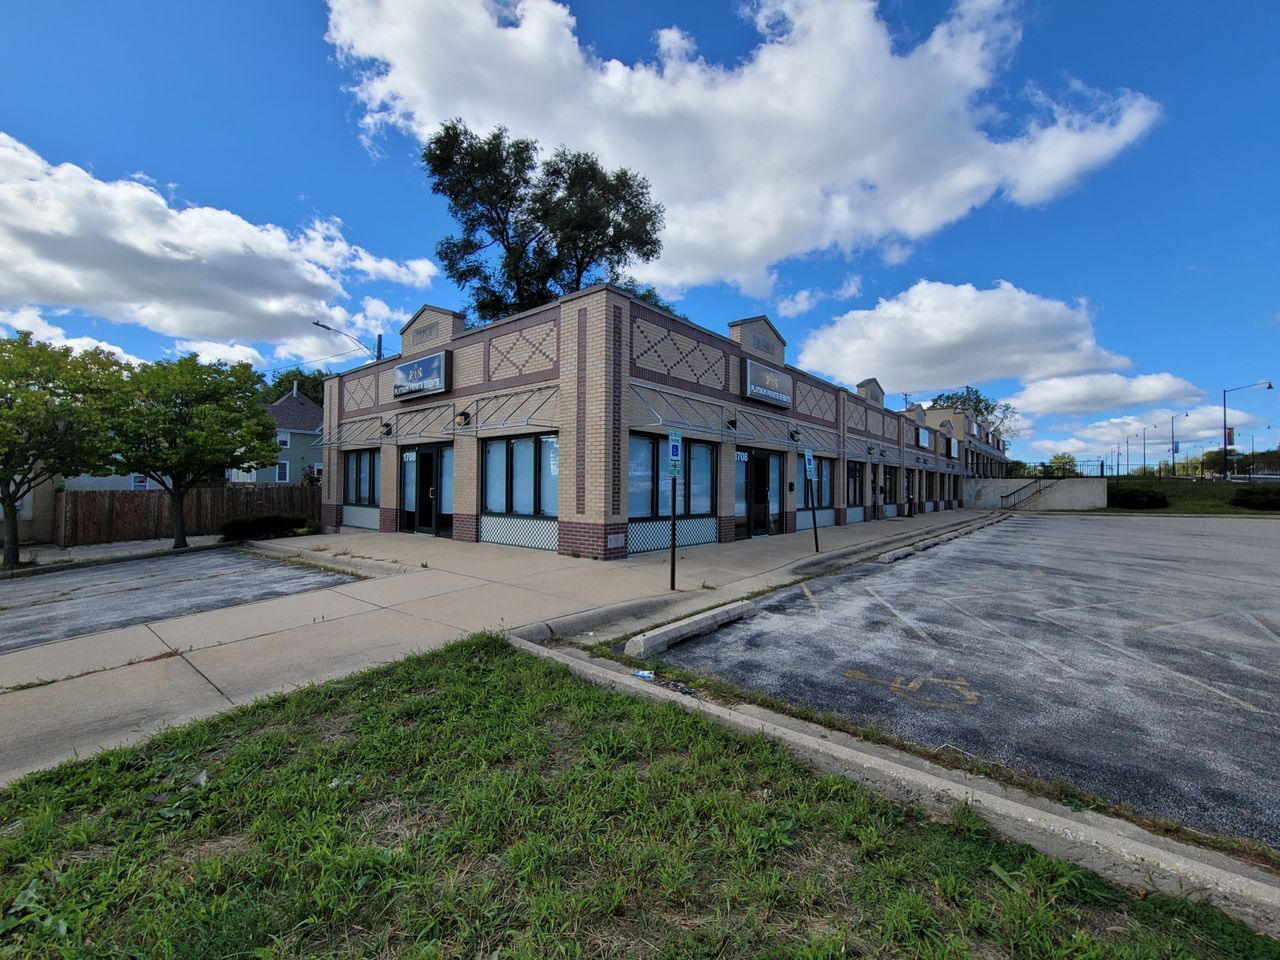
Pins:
<point x="1076" y="493"/>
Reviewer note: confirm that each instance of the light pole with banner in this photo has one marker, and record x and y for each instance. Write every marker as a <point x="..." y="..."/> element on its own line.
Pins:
<point x="675" y="465"/>
<point x="813" y="501"/>
<point x="1247" y="386"/>
<point x="1144" y="448"/>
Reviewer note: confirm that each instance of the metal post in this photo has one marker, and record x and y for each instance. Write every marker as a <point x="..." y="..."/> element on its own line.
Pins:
<point x="813" y="512"/>
<point x="1224" y="434"/>
<point x="673" y="532"/>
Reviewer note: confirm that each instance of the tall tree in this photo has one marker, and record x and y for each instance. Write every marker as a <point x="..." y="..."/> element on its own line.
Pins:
<point x="55" y="412"/>
<point x="993" y="414"/>
<point x="310" y="384"/>
<point x="530" y="233"/>
<point x="1064" y="465"/>
<point x="185" y="422"/>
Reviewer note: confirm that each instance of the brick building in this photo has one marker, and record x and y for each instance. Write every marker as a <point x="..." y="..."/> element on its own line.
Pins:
<point x="550" y="429"/>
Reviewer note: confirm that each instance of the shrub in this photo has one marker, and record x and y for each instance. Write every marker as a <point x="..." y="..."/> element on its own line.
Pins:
<point x="1135" y="498"/>
<point x="257" y="528"/>
<point x="1259" y="497"/>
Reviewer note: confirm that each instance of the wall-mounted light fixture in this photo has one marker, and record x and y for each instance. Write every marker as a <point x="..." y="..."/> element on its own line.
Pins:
<point x="794" y="435"/>
<point x="386" y="429"/>
<point x="732" y="423"/>
<point x="462" y="419"/>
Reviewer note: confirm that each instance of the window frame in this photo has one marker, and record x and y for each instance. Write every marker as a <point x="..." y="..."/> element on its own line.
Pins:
<point x="509" y="479"/>
<point x="285" y="464"/>
<point x="373" y="497"/>
<point x="825" y="492"/>
<point x="282" y="438"/>
<point x="658" y="475"/>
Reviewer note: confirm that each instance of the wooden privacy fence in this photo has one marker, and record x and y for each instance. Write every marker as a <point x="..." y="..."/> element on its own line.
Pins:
<point x="104" y="516"/>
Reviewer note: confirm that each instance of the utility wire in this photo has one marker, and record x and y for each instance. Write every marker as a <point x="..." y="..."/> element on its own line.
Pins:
<point x="298" y="363"/>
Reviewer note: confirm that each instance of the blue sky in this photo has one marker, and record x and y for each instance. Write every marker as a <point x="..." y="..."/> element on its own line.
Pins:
<point x="1069" y="204"/>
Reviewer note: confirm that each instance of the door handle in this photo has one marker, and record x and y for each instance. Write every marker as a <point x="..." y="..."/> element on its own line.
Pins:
<point x="431" y="493"/>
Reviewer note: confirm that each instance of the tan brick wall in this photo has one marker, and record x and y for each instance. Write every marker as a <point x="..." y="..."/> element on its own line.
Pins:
<point x="815" y="402"/>
<point x="664" y="351"/>
<point x="468" y="365"/>
<point x="359" y="392"/>
<point x="429" y="331"/>
<point x="532" y="350"/>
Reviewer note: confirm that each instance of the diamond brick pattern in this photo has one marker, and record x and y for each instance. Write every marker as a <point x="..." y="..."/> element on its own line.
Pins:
<point x="891" y="428"/>
<point x="526" y="351"/>
<point x="815" y="402"/>
<point x="645" y="536"/>
<point x="664" y="351"/>
<point x="540" y="533"/>
<point x="857" y="417"/>
<point x="358" y="394"/>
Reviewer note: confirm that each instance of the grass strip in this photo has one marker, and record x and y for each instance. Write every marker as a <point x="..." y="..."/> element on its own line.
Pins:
<point x="480" y="802"/>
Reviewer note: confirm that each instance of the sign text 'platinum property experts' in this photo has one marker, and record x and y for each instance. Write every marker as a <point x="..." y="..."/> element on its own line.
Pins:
<point x="429" y="374"/>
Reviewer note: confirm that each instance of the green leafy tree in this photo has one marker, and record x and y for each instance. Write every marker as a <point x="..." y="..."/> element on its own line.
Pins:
<point x="1064" y="465"/>
<point x="532" y="232"/>
<point x="185" y="422"/>
<point x="992" y="414"/>
<point x="310" y="384"/>
<point x="55" y="412"/>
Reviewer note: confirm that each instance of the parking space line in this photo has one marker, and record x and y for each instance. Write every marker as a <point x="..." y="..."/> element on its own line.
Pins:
<point x="809" y="593"/>
<point x="1008" y="636"/>
<point x="910" y="623"/>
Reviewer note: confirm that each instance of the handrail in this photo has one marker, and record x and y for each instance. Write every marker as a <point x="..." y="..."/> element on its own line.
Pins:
<point x="1040" y="483"/>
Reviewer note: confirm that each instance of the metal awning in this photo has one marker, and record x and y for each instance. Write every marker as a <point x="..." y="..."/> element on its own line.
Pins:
<point x="539" y="407"/>
<point x="423" y="423"/>
<point x="675" y="410"/>
<point x="349" y="432"/>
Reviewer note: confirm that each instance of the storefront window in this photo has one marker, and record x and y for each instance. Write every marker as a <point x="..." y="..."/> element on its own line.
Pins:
<point x="890" y="484"/>
<point x="823" y="489"/>
<point x="640" y="477"/>
<point x="495" y="476"/>
<point x="649" y="483"/>
<point x="855" y="488"/>
<point x="522" y="475"/>
<point x="360" y="478"/>
<point x="549" y="472"/>
<point x="446" y="480"/>
<point x="740" y="484"/>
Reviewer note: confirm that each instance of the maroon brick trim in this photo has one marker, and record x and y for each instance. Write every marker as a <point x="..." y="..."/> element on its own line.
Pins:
<point x="580" y="440"/>
<point x="591" y="540"/>
<point x="726" y="529"/>
<point x="788" y="521"/>
<point x="466" y="527"/>
<point x="615" y="404"/>
<point x="331" y="514"/>
<point x="841" y="517"/>
<point x="387" y="517"/>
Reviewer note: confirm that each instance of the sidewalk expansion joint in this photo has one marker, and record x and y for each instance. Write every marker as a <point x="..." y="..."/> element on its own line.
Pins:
<point x="222" y="693"/>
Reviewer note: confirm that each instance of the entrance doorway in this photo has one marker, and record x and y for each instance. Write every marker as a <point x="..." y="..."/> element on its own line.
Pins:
<point x="757" y="481"/>
<point x="426" y="489"/>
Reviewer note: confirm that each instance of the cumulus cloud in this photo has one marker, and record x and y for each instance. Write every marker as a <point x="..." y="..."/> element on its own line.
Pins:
<point x="822" y="136"/>
<point x="28" y="319"/>
<point x="1093" y="393"/>
<point x="120" y="250"/>
<point x="850" y="289"/>
<point x="802" y="301"/>
<point x="934" y="336"/>
<point x="211" y="351"/>
<point x="1202" y="424"/>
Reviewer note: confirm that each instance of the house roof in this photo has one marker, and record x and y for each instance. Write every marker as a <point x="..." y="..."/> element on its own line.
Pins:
<point x="298" y="412"/>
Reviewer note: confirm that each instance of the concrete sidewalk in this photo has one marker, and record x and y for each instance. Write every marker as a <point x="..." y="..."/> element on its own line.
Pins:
<point x="120" y="686"/>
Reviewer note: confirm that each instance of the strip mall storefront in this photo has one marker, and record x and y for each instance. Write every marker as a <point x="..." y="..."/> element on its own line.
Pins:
<point x="550" y="430"/>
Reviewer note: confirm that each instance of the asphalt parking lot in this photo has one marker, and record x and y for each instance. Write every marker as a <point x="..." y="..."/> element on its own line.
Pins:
<point x="1135" y="657"/>
<point x="71" y="603"/>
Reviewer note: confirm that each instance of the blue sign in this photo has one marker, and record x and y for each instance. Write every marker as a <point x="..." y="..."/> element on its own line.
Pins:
<point x="429" y="374"/>
<point x="1177" y="445"/>
<point x="765" y="383"/>
<point x="808" y="464"/>
<point x="675" y="460"/>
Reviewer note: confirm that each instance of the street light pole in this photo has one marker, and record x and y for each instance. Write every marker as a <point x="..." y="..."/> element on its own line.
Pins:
<point x="1127" y="470"/>
<point x="359" y="343"/>
<point x="1173" y="445"/>
<point x="1247" y="386"/>
<point x="1144" y="448"/>
<point x="1253" y="452"/>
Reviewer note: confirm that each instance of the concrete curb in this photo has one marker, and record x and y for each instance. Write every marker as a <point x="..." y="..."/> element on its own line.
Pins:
<point x="360" y="567"/>
<point x="660" y="638"/>
<point x="107" y="561"/>
<point x="895" y="555"/>
<point x="1120" y="852"/>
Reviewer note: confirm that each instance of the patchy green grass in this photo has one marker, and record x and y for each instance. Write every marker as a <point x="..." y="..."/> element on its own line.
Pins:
<point x="479" y="802"/>
<point x="1188" y="496"/>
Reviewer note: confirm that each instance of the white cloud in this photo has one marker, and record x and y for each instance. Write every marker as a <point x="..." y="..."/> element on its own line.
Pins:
<point x="850" y="289"/>
<point x="1202" y="424"/>
<point x="30" y="320"/>
<point x="1093" y="393"/>
<point x="822" y="136"/>
<point x="802" y="301"/>
<point x="936" y="336"/>
<point x="211" y="351"/>
<point x="120" y="250"/>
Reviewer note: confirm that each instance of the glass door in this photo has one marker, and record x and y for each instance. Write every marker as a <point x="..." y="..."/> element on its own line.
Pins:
<point x="409" y="489"/>
<point x="427" y="490"/>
